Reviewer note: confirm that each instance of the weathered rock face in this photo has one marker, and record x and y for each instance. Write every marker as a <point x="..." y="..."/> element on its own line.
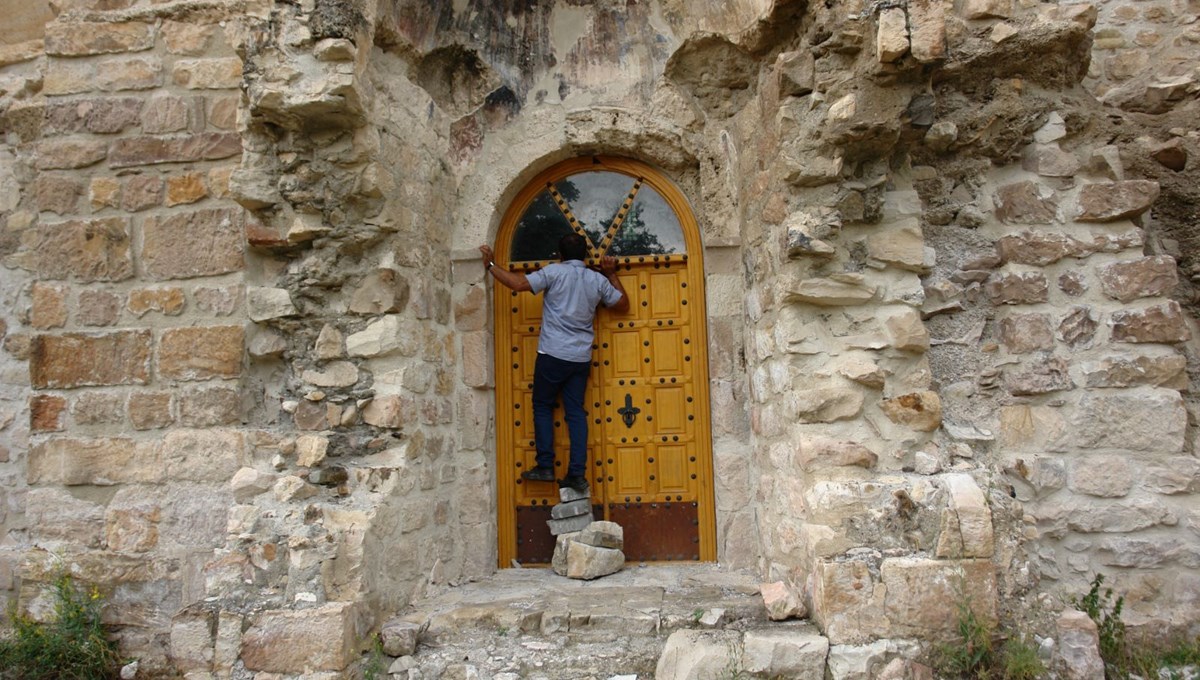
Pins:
<point x="948" y="304"/>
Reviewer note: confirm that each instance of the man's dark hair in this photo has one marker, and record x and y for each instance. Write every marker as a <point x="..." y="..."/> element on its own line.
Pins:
<point x="572" y="247"/>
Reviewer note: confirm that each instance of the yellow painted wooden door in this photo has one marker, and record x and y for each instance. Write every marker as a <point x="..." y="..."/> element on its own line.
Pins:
<point x="649" y="446"/>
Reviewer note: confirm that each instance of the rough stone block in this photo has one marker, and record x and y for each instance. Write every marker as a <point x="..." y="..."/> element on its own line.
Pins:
<point x="906" y="331"/>
<point x="131" y="521"/>
<point x="116" y="75"/>
<point x="696" y="654"/>
<point x="58" y="194"/>
<point x="798" y="654"/>
<point x="141" y="193"/>
<point x="55" y="515"/>
<point x="927" y="22"/>
<point x="201" y="353"/>
<point x="901" y="245"/>
<point x="1079" y="646"/>
<point x="264" y="304"/>
<point x="1078" y="328"/>
<point x="1039" y="249"/>
<point x="781" y="602"/>
<point x="1147" y="277"/>
<point x="46" y="413"/>
<point x="891" y="38"/>
<point x="571" y="509"/>
<point x="849" y="290"/>
<point x="69" y="153"/>
<point x="1138" y="419"/>
<point x="570" y="524"/>
<point x="81" y="359"/>
<point x="209" y="406"/>
<point x="164" y="114"/>
<point x="920" y="592"/>
<point x="165" y="300"/>
<point x="814" y="453"/>
<point x="208" y="74"/>
<point x="1050" y="375"/>
<point x="1163" y="323"/>
<point x="377" y="339"/>
<point x="921" y="411"/>
<point x="102" y="462"/>
<point x="197" y="243"/>
<point x="48" y="306"/>
<point x="1025" y="203"/>
<point x="1048" y="160"/>
<point x="130" y="152"/>
<point x="1133" y="371"/>
<point x="1025" y="333"/>
<point x="588" y="562"/>
<point x="334" y="374"/>
<point x="104" y="192"/>
<point x="186" y="188"/>
<point x="247" y="483"/>
<point x="383" y="291"/>
<point x="845" y="601"/>
<point x="201" y="455"/>
<point x="827" y="404"/>
<point x="1017" y="289"/>
<point x="98" y="408"/>
<point x="150" y="410"/>
<point x="85" y="38"/>
<point x="387" y="411"/>
<point x="603" y="535"/>
<point x="399" y="638"/>
<point x="301" y="641"/>
<point x="966" y="521"/>
<point x="1101" y="475"/>
<point x="185" y="38"/>
<point x="85" y="250"/>
<point x="1110" y="201"/>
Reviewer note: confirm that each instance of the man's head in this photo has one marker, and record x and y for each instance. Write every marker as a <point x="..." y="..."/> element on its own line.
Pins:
<point x="572" y="247"/>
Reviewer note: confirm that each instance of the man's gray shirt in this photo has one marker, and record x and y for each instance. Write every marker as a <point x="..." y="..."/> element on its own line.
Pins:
<point x="569" y="307"/>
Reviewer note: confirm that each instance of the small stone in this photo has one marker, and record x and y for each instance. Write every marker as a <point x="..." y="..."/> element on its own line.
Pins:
<point x="187" y="188"/>
<point x="292" y="488"/>
<point x="907" y="331"/>
<point x="1078" y="328"/>
<point x="1072" y="284"/>
<point x="335" y="374"/>
<point x="941" y="135"/>
<point x="168" y="301"/>
<point x="1051" y="375"/>
<point x="927" y="28"/>
<point x="311" y="449"/>
<point x="1172" y="155"/>
<point x="265" y="343"/>
<point x="1024" y="203"/>
<point x="380" y="337"/>
<point x="264" y="304"/>
<point x="399" y="638"/>
<point x="891" y="38"/>
<point x="1079" y="646"/>
<point x="815" y="453"/>
<point x="141" y="193"/>
<point x="208" y="74"/>
<point x="248" y="483"/>
<point x="827" y="404"/>
<point x="1101" y="475"/>
<point x="1050" y="161"/>
<point x="921" y="411"/>
<point x="987" y="9"/>
<point x="1126" y="371"/>
<point x="1017" y="289"/>
<point x="830" y="292"/>
<point x="901" y="246"/>
<point x="384" y="411"/>
<point x="781" y="602"/>
<point x="967" y="520"/>
<point x="1054" y="129"/>
<point x="329" y="344"/>
<point x="382" y="292"/>
<point x="335" y="49"/>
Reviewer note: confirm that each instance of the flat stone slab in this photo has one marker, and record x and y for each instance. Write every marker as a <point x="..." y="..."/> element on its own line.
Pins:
<point x="569" y="524"/>
<point x="571" y="508"/>
<point x="566" y="494"/>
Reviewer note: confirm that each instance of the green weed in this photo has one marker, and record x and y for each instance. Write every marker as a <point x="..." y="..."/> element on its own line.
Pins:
<point x="375" y="667"/>
<point x="73" y="646"/>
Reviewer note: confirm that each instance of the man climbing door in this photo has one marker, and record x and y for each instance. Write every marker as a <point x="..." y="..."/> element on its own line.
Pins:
<point x="573" y="293"/>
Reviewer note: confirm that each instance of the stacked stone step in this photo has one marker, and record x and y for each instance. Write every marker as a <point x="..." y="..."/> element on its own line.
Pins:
<point x="585" y="549"/>
<point x="572" y="513"/>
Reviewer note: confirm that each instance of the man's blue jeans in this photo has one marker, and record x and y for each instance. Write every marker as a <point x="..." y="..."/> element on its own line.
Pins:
<point x="551" y="377"/>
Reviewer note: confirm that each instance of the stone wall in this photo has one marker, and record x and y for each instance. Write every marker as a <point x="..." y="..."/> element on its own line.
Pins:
<point x="247" y="340"/>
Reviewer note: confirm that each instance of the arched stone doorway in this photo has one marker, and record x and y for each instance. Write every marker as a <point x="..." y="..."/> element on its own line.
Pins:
<point x="650" y="449"/>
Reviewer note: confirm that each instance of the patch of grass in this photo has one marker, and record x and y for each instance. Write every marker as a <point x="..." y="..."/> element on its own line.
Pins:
<point x="73" y="646"/>
<point x="979" y="654"/>
<point x="376" y="665"/>
<point x="1020" y="661"/>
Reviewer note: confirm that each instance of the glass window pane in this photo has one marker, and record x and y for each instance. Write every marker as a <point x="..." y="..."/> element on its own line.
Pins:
<point x="650" y="228"/>
<point x="595" y="198"/>
<point x="539" y="230"/>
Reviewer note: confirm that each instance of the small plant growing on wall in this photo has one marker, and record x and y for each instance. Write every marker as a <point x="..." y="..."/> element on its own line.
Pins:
<point x="72" y="646"/>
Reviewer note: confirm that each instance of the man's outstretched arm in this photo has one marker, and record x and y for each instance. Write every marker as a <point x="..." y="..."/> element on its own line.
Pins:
<point x="514" y="280"/>
<point x="608" y="267"/>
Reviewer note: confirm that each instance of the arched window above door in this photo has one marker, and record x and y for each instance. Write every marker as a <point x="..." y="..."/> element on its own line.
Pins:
<point x="619" y="213"/>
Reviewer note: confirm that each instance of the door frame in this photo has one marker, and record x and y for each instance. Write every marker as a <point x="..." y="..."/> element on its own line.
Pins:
<point x="502" y="324"/>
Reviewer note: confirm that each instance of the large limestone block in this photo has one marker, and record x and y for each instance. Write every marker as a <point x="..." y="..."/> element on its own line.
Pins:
<point x="302" y="641"/>
<point x="698" y="655"/>
<point x="603" y="535"/>
<point x="921" y="411"/>
<point x="870" y="662"/>
<point x="1079" y="646"/>
<point x="828" y="404"/>
<point x="589" y="562"/>
<point x="90" y="359"/>
<point x="966" y="521"/>
<point x="377" y="339"/>
<point x="1105" y="476"/>
<point x="201" y="455"/>
<point x="922" y="595"/>
<point x="798" y="653"/>
<point x="383" y="291"/>
<point x="1139" y="419"/>
<point x="102" y="461"/>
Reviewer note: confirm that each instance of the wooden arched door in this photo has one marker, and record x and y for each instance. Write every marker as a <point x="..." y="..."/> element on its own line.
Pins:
<point x="650" y="444"/>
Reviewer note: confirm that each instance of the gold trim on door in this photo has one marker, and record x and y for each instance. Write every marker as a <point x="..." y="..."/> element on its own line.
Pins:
<point x="649" y="438"/>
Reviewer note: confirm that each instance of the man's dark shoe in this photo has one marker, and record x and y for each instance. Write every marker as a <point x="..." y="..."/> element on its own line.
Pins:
<point x="577" y="483"/>
<point x="538" y="474"/>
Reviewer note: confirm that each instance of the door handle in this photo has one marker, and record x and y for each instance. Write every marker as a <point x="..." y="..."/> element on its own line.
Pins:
<point x="629" y="411"/>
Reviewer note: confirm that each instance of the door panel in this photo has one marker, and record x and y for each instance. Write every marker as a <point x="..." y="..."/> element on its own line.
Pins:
<point x="649" y="447"/>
